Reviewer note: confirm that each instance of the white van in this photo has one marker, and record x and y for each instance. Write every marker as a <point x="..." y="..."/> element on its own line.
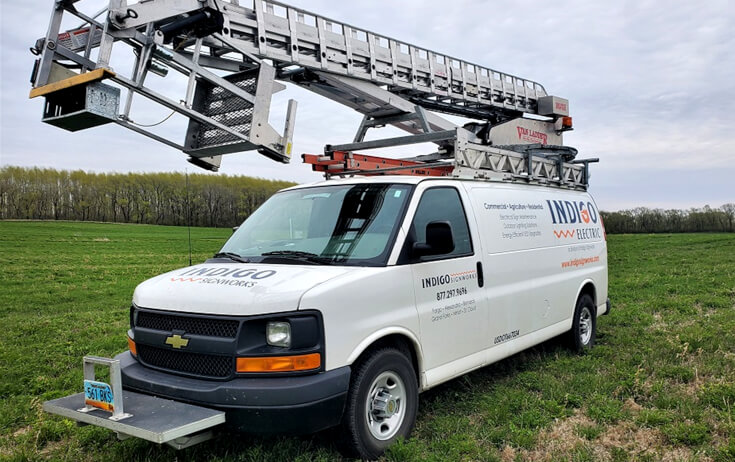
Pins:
<point x="336" y="304"/>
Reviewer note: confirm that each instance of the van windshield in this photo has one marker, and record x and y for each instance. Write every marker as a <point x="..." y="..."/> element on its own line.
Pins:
<point x="335" y="225"/>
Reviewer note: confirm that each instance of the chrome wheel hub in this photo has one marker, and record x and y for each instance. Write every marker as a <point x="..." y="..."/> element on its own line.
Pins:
<point x="384" y="405"/>
<point x="585" y="326"/>
<point x="385" y="409"/>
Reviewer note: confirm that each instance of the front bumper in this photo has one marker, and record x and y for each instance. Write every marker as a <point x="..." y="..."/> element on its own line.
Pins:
<point x="285" y="405"/>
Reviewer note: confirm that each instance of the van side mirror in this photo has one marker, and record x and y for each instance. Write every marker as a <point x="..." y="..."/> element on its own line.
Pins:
<point x="439" y="240"/>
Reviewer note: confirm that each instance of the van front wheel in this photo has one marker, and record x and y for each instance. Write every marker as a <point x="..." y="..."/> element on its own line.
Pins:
<point x="584" y="325"/>
<point x="381" y="404"/>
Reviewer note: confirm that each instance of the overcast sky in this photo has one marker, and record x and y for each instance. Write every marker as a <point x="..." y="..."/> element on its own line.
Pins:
<point x="651" y="88"/>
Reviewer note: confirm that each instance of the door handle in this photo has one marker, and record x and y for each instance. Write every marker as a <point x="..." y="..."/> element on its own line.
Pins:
<point x="480" y="275"/>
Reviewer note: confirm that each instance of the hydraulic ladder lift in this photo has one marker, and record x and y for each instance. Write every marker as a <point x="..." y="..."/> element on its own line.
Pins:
<point x="235" y="53"/>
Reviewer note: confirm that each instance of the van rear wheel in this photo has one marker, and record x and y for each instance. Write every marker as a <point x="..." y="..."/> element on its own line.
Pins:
<point x="584" y="325"/>
<point x="381" y="404"/>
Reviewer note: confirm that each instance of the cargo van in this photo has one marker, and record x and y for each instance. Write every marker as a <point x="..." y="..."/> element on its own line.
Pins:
<point x="335" y="304"/>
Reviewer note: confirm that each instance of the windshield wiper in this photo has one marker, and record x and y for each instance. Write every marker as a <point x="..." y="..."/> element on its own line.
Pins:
<point x="298" y="255"/>
<point x="232" y="256"/>
<point x="288" y="253"/>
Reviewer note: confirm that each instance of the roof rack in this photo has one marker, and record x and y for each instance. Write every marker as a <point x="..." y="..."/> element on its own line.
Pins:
<point x="462" y="157"/>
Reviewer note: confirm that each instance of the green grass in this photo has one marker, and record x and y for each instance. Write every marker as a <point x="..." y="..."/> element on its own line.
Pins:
<point x="660" y="383"/>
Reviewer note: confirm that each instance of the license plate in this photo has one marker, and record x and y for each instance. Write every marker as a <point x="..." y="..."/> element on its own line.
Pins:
<point x="99" y="395"/>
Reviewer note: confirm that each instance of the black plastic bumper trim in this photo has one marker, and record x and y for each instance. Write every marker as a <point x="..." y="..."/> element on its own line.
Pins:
<point x="303" y="404"/>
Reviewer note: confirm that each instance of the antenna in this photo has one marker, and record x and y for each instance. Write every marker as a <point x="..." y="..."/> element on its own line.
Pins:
<point x="188" y="213"/>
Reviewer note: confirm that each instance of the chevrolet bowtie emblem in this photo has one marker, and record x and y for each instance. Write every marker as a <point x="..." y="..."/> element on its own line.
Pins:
<point x="177" y="341"/>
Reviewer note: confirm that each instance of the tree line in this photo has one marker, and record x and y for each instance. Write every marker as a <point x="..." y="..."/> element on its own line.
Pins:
<point x="149" y="198"/>
<point x="224" y="201"/>
<point x="694" y="220"/>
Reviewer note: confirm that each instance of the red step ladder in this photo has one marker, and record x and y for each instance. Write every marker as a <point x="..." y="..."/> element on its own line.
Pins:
<point x="341" y="163"/>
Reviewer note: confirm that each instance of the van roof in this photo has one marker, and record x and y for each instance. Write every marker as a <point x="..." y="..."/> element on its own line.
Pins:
<point x="405" y="179"/>
<point x="414" y="180"/>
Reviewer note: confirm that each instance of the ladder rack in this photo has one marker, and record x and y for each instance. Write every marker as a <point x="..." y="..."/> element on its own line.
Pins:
<point x="552" y="166"/>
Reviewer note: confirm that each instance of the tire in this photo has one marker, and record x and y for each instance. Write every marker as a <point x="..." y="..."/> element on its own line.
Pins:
<point x="584" y="325"/>
<point x="381" y="404"/>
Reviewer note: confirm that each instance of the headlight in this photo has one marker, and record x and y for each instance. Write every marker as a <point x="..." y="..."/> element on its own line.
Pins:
<point x="278" y="334"/>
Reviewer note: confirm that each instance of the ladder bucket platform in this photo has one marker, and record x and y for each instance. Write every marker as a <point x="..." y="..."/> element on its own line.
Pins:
<point x="154" y="419"/>
<point x="78" y="101"/>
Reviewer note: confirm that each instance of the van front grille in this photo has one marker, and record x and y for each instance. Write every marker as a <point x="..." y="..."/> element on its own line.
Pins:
<point x="226" y="328"/>
<point x="202" y="365"/>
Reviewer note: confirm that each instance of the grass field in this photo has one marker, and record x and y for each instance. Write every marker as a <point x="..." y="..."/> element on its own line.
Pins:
<point x="660" y="385"/>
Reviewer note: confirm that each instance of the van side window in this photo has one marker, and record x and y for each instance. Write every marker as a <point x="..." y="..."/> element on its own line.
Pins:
<point x="442" y="204"/>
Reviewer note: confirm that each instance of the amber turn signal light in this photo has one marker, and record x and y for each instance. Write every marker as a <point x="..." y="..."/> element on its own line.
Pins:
<point x="280" y="363"/>
<point x="131" y="347"/>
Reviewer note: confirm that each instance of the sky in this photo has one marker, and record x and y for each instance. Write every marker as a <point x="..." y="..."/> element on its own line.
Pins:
<point x="651" y="86"/>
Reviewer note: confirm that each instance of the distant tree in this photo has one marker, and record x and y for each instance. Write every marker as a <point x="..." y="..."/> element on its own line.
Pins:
<point x="155" y="198"/>
<point x="644" y="220"/>
<point x="224" y="201"/>
<point x="729" y="211"/>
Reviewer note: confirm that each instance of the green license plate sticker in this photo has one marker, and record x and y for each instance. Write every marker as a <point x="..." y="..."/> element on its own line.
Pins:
<point x="99" y="395"/>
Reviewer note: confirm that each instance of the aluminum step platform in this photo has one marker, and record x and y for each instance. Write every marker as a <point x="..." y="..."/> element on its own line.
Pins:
<point x="154" y="419"/>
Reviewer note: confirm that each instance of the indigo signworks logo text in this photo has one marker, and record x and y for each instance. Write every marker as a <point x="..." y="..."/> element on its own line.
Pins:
<point x="224" y="276"/>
